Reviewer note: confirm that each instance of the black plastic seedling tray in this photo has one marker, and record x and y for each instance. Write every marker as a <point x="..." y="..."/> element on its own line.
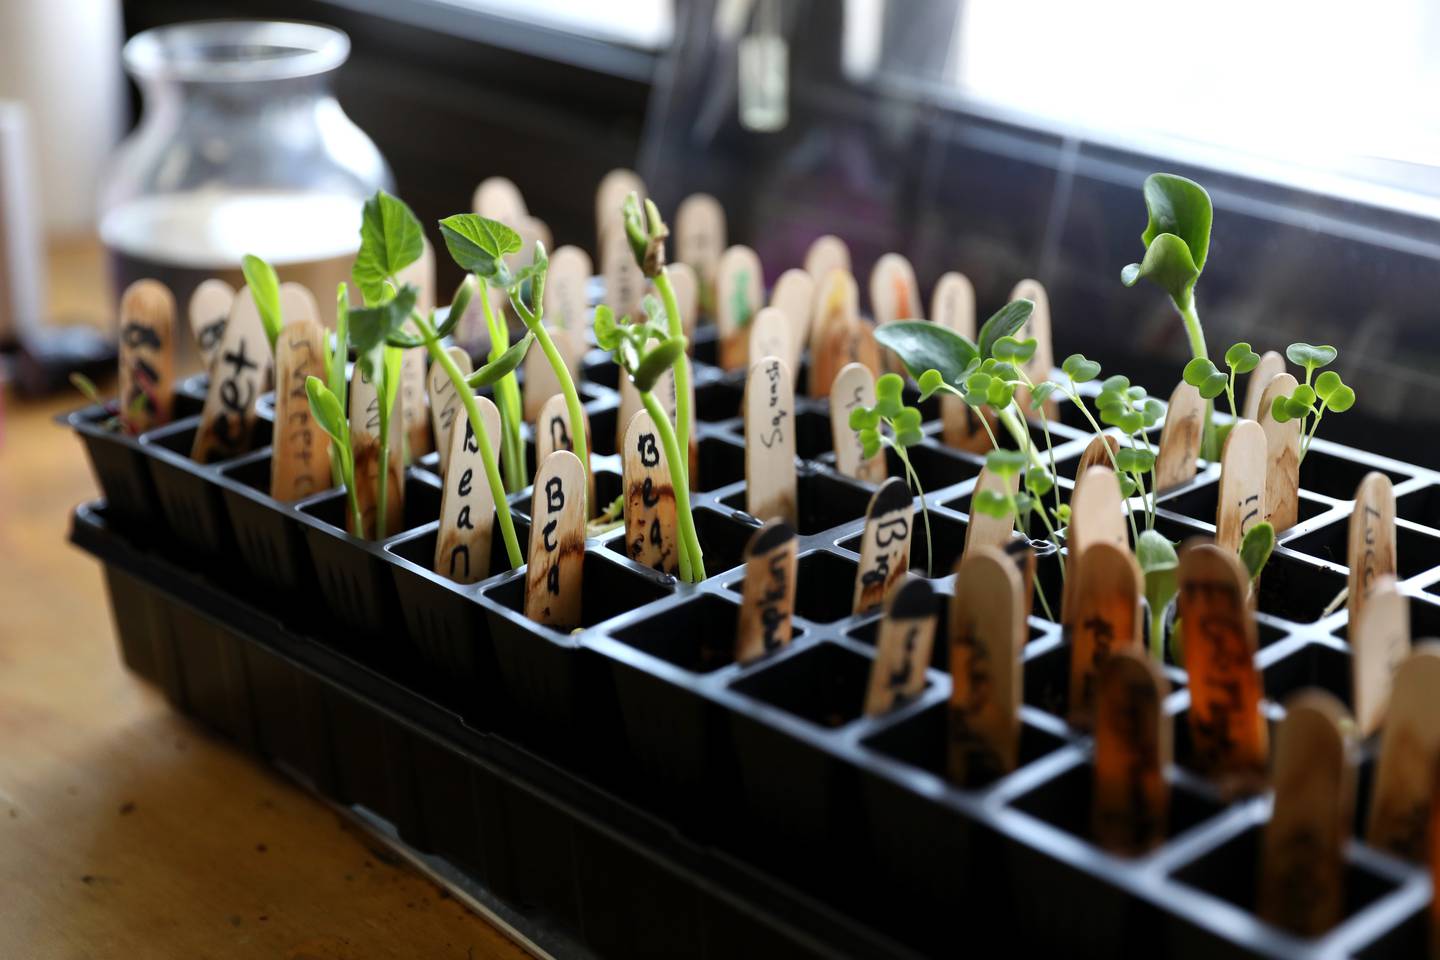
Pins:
<point x="628" y="789"/>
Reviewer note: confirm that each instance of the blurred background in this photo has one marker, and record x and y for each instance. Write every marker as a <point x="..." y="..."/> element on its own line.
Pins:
<point x="1001" y="138"/>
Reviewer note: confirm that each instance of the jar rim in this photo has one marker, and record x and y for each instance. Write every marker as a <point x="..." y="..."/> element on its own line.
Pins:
<point x="235" y="51"/>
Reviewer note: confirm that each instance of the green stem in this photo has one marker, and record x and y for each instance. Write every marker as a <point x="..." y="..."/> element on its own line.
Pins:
<point x="507" y="397"/>
<point x="1209" y="448"/>
<point x="347" y="476"/>
<point x="684" y="416"/>
<point x="1114" y="464"/>
<point x="487" y="452"/>
<point x="689" y="539"/>
<point x="382" y="482"/>
<point x="914" y="480"/>
<point x="578" y="440"/>
<point x="338" y="386"/>
<point x="1013" y="503"/>
<point x="1055" y="539"/>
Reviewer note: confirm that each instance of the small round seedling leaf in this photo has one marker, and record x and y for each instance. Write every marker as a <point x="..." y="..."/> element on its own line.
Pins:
<point x="864" y="418"/>
<point x="978" y="383"/>
<point x="1005" y="463"/>
<point x="989" y="503"/>
<point x="1341" y="399"/>
<point x="1256" y="547"/>
<point x="869" y="442"/>
<point x="999" y="394"/>
<point x="1039" y="481"/>
<point x="929" y="382"/>
<point x="1280" y="409"/>
<point x="1213" y="386"/>
<point x="607" y="334"/>
<point x="1015" y="351"/>
<point x="1119" y="383"/>
<point x="1127" y="486"/>
<point x="1241" y="358"/>
<point x="908" y="438"/>
<point x="1132" y="460"/>
<point x="1041" y="393"/>
<point x="1080" y="369"/>
<point x="1309" y="356"/>
<point x="889" y="385"/>
<point x="1152" y="410"/>
<point x="907" y="419"/>
<point x="1327" y="383"/>
<point x="1197" y="371"/>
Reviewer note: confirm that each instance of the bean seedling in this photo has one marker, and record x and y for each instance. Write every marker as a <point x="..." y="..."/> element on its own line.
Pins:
<point x="630" y="345"/>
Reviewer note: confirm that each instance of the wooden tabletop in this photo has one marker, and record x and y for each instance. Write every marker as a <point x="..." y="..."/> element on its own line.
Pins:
<point x="127" y="831"/>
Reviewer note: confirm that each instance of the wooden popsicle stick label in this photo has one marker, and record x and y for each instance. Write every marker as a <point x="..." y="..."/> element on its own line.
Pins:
<point x="610" y="196"/>
<point x="1133" y="743"/>
<point x="768" y="597"/>
<point x="1302" y="848"/>
<point x="1282" y="456"/>
<point x="902" y="648"/>
<point x="147" y="356"/>
<point x="1098" y="453"/>
<point x="740" y="292"/>
<point x="1379" y="642"/>
<point x="300" y="458"/>
<point x="649" y="498"/>
<point x="1227" y="730"/>
<point x="298" y="303"/>
<point x="1371" y="547"/>
<point x="770" y="336"/>
<point x="837" y="314"/>
<point x="825" y="254"/>
<point x="854" y="386"/>
<point x="415" y="404"/>
<point x="687" y="299"/>
<point x="553" y="578"/>
<point x="365" y="438"/>
<point x="1242" y="484"/>
<point x="497" y="198"/>
<point x="700" y="238"/>
<point x="1400" y="805"/>
<point x="1180" y="438"/>
<point x="625" y="285"/>
<point x="210" y="307"/>
<point x="983" y="530"/>
<point x="541" y="383"/>
<point x="894" y="294"/>
<point x="239" y="375"/>
<point x="467" y="507"/>
<point x="445" y="403"/>
<point x="553" y="432"/>
<point x="1271" y="364"/>
<point x="566" y="299"/>
<point x="1022" y="554"/>
<point x="884" y="545"/>
<point x="1038" y="326"/>
<point x="987" y="633"/>
<point x="794" y="295"/>
<point x="952" y="305"/>
<point x="1106" y="619"/>
<point x="770" y="484"/>
<point x="1097" y="515"/>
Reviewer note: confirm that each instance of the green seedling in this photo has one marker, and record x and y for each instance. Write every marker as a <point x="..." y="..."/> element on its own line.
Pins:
<point x="1005" y="464"/>
<point x="647" y="232"/>
<point x="264" y="287"/>
<point x="1177" y="242"/>
<point x="903" y="425"/>
<point x="1130" y="410"/>
<point x="1255" y="549"/>
<point x="1202" y="374"/>
<point x="328" y="411"/>
<point x="1158" y="563"/>
<point x="1331" y="392"/>
<point x="629" y="344"/>
<point x="90" y="392"/>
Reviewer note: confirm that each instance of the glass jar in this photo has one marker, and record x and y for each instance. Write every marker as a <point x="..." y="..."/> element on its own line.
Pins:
<point x="242" y="148"/>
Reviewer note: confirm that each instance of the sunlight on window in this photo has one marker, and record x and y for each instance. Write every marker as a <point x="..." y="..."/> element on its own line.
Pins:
<point x="1336" y="87"/>
<point x="648" y="24"/>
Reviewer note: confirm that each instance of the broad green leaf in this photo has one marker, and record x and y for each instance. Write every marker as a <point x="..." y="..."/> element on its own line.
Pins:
<point x="1256" y="547"/>
<point x="390" y="240"/>
<point x="1005" y="322"/>
<point x="1309" y="356"/>
<point x="661" y="358"/>
<point x="326" y="408"/>
<point x="505" y="363"/>
<point x="265" y="291"/>
<point x="479" y="245"/>
<point x="922" y="345"/>
<point x="372" y="326"/>
<point x="1168" y="263"/>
